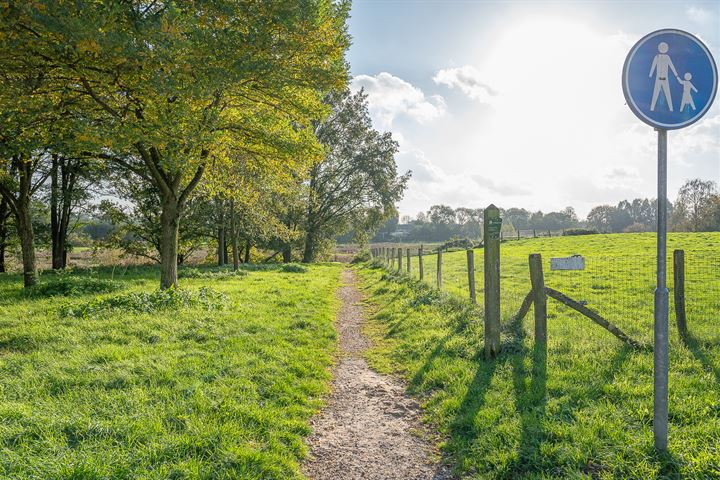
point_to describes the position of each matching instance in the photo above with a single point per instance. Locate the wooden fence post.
(420, 265)
(471, 274)
(392, 257)
(439, 269)
(399, 255)
(539, 297)
(679, 291)
(492, 225)
(407, 254)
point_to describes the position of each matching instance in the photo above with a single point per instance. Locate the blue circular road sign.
(669, 79)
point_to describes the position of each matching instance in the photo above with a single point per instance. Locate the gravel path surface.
(370, 429)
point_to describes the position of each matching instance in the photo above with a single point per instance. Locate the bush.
(170, 299)
(293, 268)
(579, 231)
(361, 257)
(637, 228)
(217, 273)
(66, 285)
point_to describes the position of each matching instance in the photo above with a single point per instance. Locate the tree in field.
(70, 178)
(695, 204)
(136, 217)
(518, 217)
(30, 108)
(356, 183)
(601, 218)
(168, 86)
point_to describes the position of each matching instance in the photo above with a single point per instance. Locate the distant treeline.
(697, 208)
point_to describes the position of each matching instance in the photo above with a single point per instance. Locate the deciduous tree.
(169, 86)
(356, 183)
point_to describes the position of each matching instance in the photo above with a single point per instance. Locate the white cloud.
(469, 80)
(698, 14)
(390, 96)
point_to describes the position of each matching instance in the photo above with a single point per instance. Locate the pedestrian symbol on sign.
(687, 93)
(660, 66)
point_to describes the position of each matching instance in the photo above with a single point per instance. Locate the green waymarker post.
(492, 224)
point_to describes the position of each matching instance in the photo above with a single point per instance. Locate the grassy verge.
(158, 392)
(583, 412)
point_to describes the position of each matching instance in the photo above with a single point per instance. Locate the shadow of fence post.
(679, 291)
(539, 298)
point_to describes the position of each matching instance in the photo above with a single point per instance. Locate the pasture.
(104, 380)
(586, 410)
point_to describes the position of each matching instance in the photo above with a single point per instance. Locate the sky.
(520, 103)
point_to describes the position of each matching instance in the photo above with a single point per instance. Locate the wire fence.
(619, 287)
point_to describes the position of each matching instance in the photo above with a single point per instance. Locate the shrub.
(293, 268)
(170, 299)
(66, 285)
(217, 273)
(361, 257)
(457, 243)
(579, 231)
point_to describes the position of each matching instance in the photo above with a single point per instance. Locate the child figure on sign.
(688, 88)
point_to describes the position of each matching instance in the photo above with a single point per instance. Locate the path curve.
(370, 429)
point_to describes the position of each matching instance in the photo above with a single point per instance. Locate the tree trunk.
(63, 177)
(170, 223)
(226, 245)
(234, 237)
(173, 198)
(309, 252)
(287, 254)
(4, 212)
(57, 254)
(220, 246)
(248, 246)
(23, 221)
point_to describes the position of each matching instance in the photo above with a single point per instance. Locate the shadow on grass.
(697, 348)
(529, 397)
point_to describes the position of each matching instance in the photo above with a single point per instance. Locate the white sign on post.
(576, 262)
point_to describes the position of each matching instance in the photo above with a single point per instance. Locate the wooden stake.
(471, 274)
(439, 269)
(679, 291)
(420, 260)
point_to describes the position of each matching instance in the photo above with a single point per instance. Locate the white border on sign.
(631, 100)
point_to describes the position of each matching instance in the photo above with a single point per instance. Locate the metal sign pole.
(660, 350)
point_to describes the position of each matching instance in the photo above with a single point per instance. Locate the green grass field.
(587, 411)
(619, 276)
(189, 393)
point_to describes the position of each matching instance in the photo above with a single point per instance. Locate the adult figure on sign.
(660, 65)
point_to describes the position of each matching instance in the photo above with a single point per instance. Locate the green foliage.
(293, 268)
(136, 303)
(215, 273)
(362, 256)
(67, 285)
(356, 183)
(186, 393)
(172, 91)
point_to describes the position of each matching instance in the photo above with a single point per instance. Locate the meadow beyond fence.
(617, 282)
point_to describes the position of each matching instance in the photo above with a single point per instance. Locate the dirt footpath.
(370, 428)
